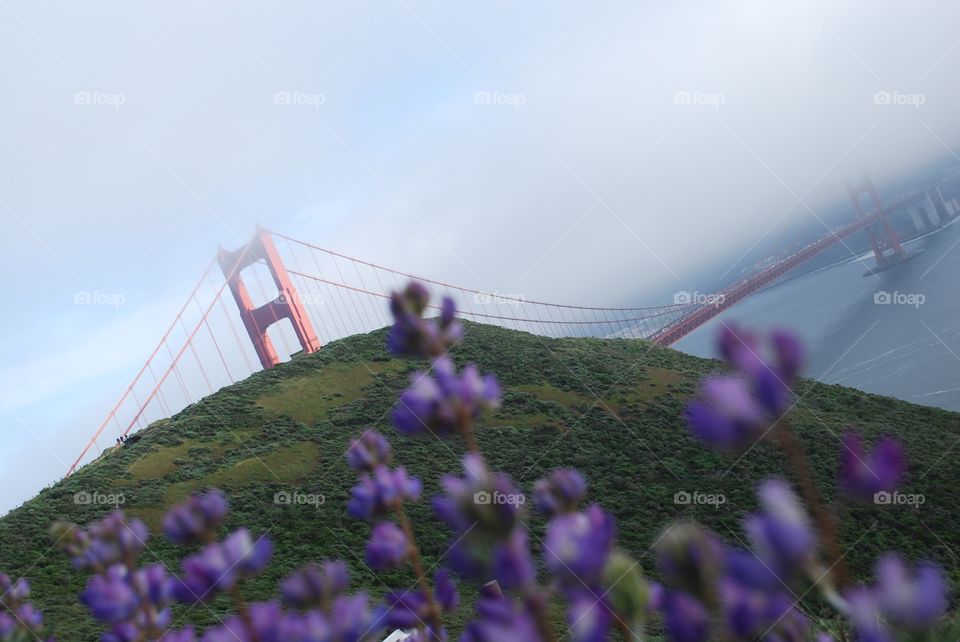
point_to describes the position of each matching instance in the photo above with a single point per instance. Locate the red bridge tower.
(287, 304)
(882, 236)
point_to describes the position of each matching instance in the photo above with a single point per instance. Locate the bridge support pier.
(287, 304)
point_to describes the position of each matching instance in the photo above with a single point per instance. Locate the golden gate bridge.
(290, 296)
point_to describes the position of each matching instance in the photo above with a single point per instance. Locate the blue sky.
(140, 136)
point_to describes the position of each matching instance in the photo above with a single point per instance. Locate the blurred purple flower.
(413, 335)
(315, 586)
(388, 546)
(376, 494)
(685, 618)
(441, 402)
(109, 596)
(219, 566)
(577, 546)
(500, 619)
(726, 416)
(197, 519)
(781, 535)
(481, 503)
(512, 563)
(863, 475)
(445, 591)
(561, 492)
(368, 452)
(588, 617)
(691, 559)
(915, 601)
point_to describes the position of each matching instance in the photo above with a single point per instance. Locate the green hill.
(612, 408)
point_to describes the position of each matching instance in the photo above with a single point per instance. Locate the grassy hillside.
(611, 408)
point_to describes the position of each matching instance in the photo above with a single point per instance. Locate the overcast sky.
(597, 152)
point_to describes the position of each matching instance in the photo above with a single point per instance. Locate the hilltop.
(612, 408)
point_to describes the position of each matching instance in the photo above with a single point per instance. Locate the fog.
(602, 153)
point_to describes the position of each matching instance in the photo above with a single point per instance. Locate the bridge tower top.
(287, 304)
(883, 238)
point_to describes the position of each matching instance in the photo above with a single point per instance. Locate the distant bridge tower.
(883, 238)
(287, 304)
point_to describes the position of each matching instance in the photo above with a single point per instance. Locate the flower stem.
(465, 428)
(826, 522)
(417, 564)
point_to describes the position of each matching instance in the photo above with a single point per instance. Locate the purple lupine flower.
(441, 402)
(197, 519)
(781, 536)
(865, 615)
(376, 494)
(187, 634)
(739, 347)
(315, 586)
(110, 596)
(501, 619)
(413, 335)
(445, 591)
(685, 618)
(369, 452)
(153, 584)
(388, 546)
(561, 492)
(916, 602)
(588, 617)
(691, 559)
(481, 503)
(219, 566)
(406, 609)
(353, 620)
(788, 353)
(13, 593)
(113, 539)
(756, 614)
(512, 564)
(726, 416)
(577, 546)
(863, 475)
